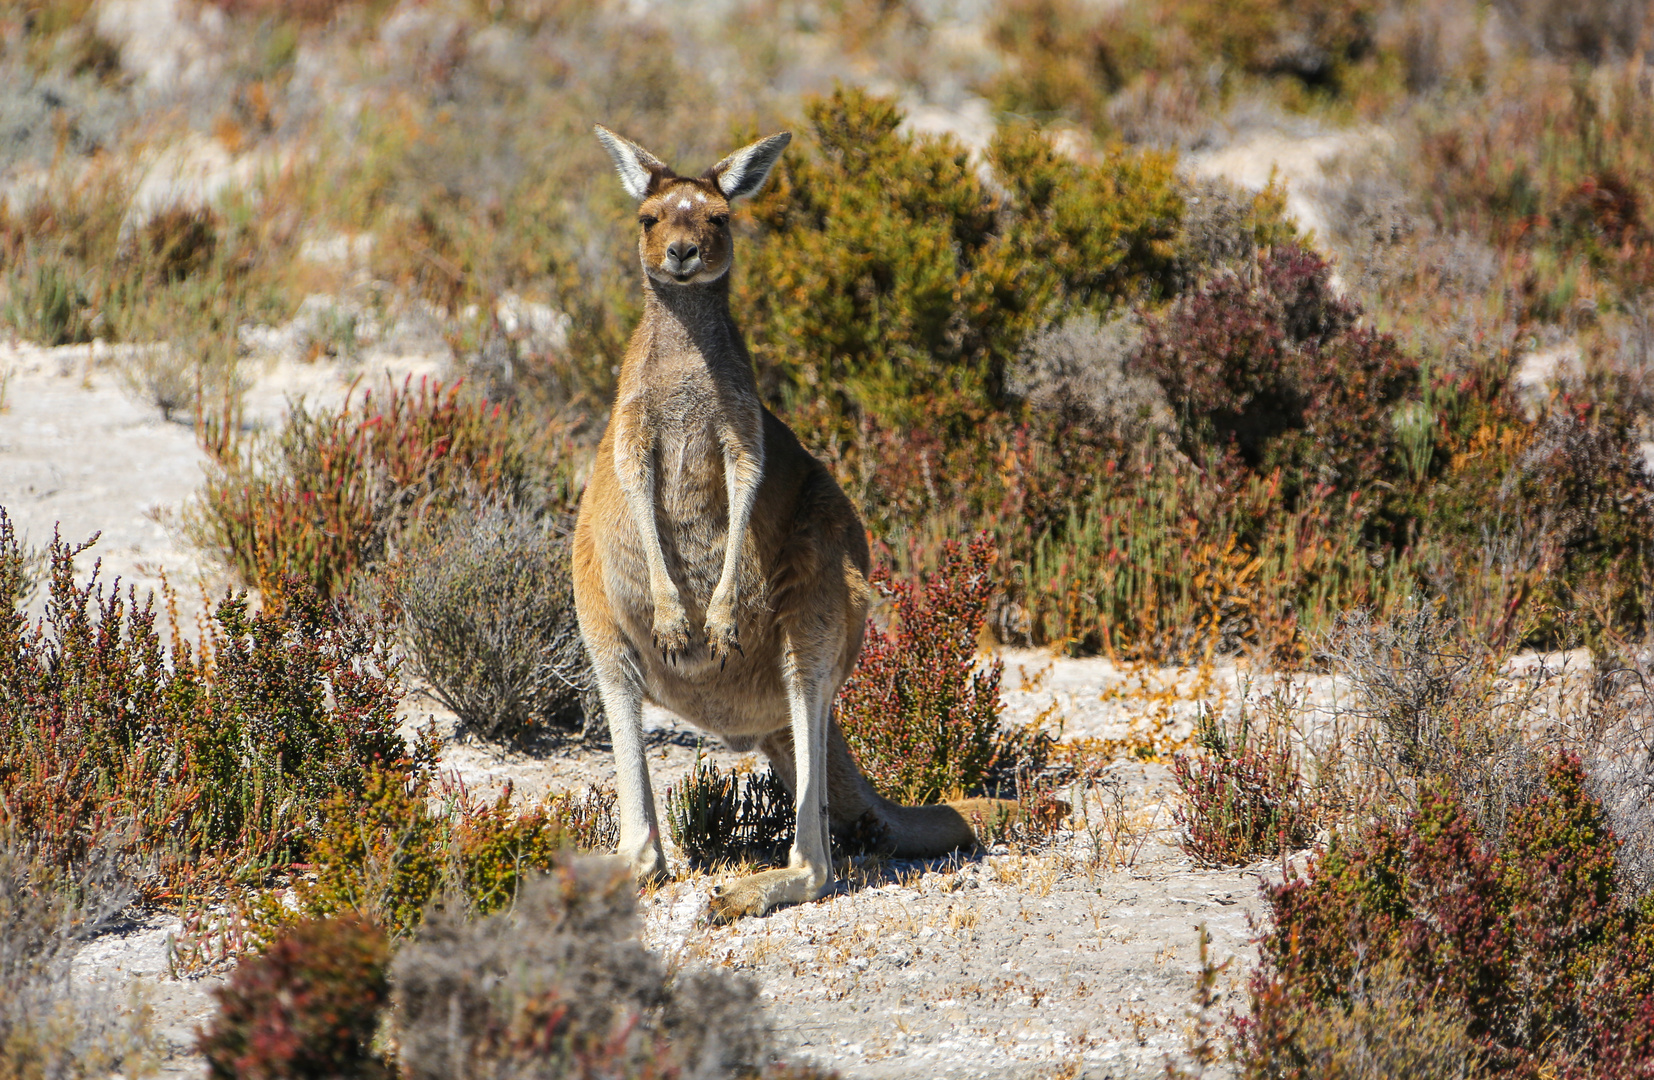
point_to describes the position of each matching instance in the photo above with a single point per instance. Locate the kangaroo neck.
(693, 319)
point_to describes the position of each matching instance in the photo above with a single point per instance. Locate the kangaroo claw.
(723, 638)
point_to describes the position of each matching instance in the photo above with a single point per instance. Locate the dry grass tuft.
(48, 1026)
(560, 985)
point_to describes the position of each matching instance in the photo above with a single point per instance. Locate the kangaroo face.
(683, 236)
(684, 221)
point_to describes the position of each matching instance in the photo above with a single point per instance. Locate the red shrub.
(1522, 936)
(1272, 363)
(325, 499)
(1242, 801)
(307, 1008)
(920, 711)
(212, 764)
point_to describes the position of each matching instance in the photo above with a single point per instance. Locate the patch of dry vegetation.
(48, 1025)
(487, 606)
(1184, 431)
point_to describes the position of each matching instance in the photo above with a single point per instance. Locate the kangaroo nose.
(681, 251)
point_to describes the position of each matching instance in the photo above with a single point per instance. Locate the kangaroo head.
(683, 235)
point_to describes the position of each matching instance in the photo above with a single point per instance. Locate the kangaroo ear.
(744, 172)
(639, 169)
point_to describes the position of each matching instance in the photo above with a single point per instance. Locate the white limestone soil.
(1067, 960)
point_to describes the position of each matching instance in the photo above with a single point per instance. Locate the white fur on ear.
(744, 172)
(637, 167)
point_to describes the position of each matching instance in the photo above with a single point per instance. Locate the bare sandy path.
(80, 454)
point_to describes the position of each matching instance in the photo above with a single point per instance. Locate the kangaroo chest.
(689, 463)
(691, 485)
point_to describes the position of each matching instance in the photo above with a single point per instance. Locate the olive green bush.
(405, 847)
(886, 275)
(714, 816)
(487, 605)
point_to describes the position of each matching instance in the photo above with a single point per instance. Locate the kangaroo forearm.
(635, 471)
(745, 474)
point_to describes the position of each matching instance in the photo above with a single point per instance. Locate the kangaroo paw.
(722, 638)
(671, 634)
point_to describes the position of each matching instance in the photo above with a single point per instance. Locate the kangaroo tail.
(854, 808)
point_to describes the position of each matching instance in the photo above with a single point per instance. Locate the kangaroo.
(719, 570)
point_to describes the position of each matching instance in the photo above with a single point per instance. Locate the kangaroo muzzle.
(682, 259)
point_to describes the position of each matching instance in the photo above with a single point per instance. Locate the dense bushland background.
(1184, 427)
(1083, 400)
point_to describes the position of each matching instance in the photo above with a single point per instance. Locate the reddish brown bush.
(921, 711)
(326, 497)
(1525, 938)
(1243, 798)
(1271, 364)
(307, 1008)
(212, 764)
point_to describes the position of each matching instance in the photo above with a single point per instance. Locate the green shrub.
(885, 274)
(714, 817)
(1320, 43)
(488, 613)
(401, 847)
(211, 765)
(1081, 61)
(1066, 60)
(307, 1008)
(329, 496)
(51, 309)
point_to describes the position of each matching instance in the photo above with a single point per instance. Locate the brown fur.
(751, 615)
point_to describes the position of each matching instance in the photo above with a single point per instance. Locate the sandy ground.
(81, 453)
(1074, 959)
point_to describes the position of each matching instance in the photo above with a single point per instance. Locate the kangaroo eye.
(647, 221)
(720, 220)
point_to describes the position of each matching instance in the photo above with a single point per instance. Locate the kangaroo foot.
(758, 893)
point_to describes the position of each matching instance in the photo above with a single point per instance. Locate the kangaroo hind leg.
(619, 686)
(809, 868)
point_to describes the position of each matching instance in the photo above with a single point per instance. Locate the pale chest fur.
(691, 490)
(679, 393)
